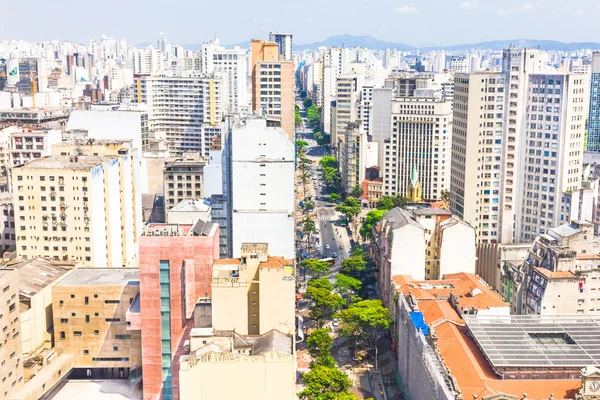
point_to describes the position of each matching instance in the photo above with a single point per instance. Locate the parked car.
(334, 255)
(327, 247)
(341, 247)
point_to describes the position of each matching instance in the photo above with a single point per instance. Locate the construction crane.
(32, 83)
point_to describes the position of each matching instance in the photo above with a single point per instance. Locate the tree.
(357, 191)
(350, 207)
(347, 286)
(445, 195)
(389, 202)
(328, 161)
(325, 303)
(326, 383)
(370, 220)
(301, 144)
(319, 345)
(309, 226)
(308, 205)
(307, 103)
(354, 266)
(315, 267)
(320, 283)
(297, 117)
(334, 197)
(331, 176)
(370, 316)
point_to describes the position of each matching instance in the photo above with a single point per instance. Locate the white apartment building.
(80, 206)
(179, 108)
(344, 110)
(284, 41)
(477, 150)
(7, 221)
(148, 61)
(552, 149)
(233, 63)
(262, 187)
(30, 143)
(420, 137)
(365, 107)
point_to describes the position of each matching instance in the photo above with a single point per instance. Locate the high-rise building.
(262, 187)
(171, 283)
(29, 143)
(185, 111)
(183, 180)
(234, 64)
(593, 135)
(79, 207)
(353, 157)
(344, 109)
(284, 42)
(90, 309)
(420, 137)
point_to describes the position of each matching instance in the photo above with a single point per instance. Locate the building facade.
(593, 135)
(183, 180)
(10, 352)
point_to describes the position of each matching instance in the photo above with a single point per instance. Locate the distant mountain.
(503, 44)
(368, 42)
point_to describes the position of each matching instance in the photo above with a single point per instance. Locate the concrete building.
(252, 314)
(233, 63)
(171, 283)
(398, 248)
(344, 110)
(492, 258)
(273, 85)
(89, 308)
(31, 143)
(353, 156)
(123, 122)
(284, 43)
(421, 138)
(381, 117)
(183, 179)
(185, 111)
(37, 277)
(189, 212)
(79, 207)
(454, 248)
(262, 187)
(429, 218)
(10, 352)
(7, 222)
(593, 131)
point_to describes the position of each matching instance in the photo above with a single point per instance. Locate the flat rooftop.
(102, 277)
(526, 341)
(70, 162)
(35, 274)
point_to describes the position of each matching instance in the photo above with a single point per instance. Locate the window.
(76, 333)
(64, 320)
(115, 348)
(111, 301)
(87, 318)
(62, 335)
(122, 337)
(113, 319)
(96, 332)
(86, 352)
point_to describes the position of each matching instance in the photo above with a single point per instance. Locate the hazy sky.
(414, 22)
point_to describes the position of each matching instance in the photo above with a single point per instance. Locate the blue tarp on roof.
(417, 319)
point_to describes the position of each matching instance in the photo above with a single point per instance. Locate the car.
(327, 247)
(334, 255)
(335, 322)
(341, 247)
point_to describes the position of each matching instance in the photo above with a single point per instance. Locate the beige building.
(11, 367)
(36, 279)
(244, 332)
(79, 206)
(353, 156)
(261, 284)
(90, 308)
(344, 110)
(273, 84)
(183, 179)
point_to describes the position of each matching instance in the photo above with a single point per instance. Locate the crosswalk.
(327, 217)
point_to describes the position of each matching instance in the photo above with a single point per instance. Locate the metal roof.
(567, 341)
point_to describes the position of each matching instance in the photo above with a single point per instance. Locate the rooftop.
(398, 218)
(67, 162)
(192, 205)
(431, 211)
(102, 277)
(556, 274)
(35, 274)
(276, 262)
(526, 341)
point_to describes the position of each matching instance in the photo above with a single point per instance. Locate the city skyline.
(403, 21)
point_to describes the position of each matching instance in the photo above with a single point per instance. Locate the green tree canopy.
(307, 103)
(347, 286)
(370, 220)
(354, 266)
(316, 268)
(297, 117)
(301, 143)
(357, 191)
(350, 207)
(325, 383)
(325, 303)
(370, 316)
(320, 283)
(309, 226)
(334, 197)
(389, 202)
(319, 344)
(328, 161)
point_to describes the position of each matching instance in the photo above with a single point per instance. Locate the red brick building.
(175, 270)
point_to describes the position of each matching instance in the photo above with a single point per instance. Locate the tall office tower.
(10, 352)
(233, 63)
(344, 109)
(148, 61)
(175, 271)
(459, 64)
(284, 42)
(273, 85)
(593, 136)
(182, 110)
(365, 106)
(380, 119)
(477, 153)
(82, 205)
(552, 145)
(261, 198)
(421, 139)
(353, 156)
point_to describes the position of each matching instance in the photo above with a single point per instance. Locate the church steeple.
(414, 190)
